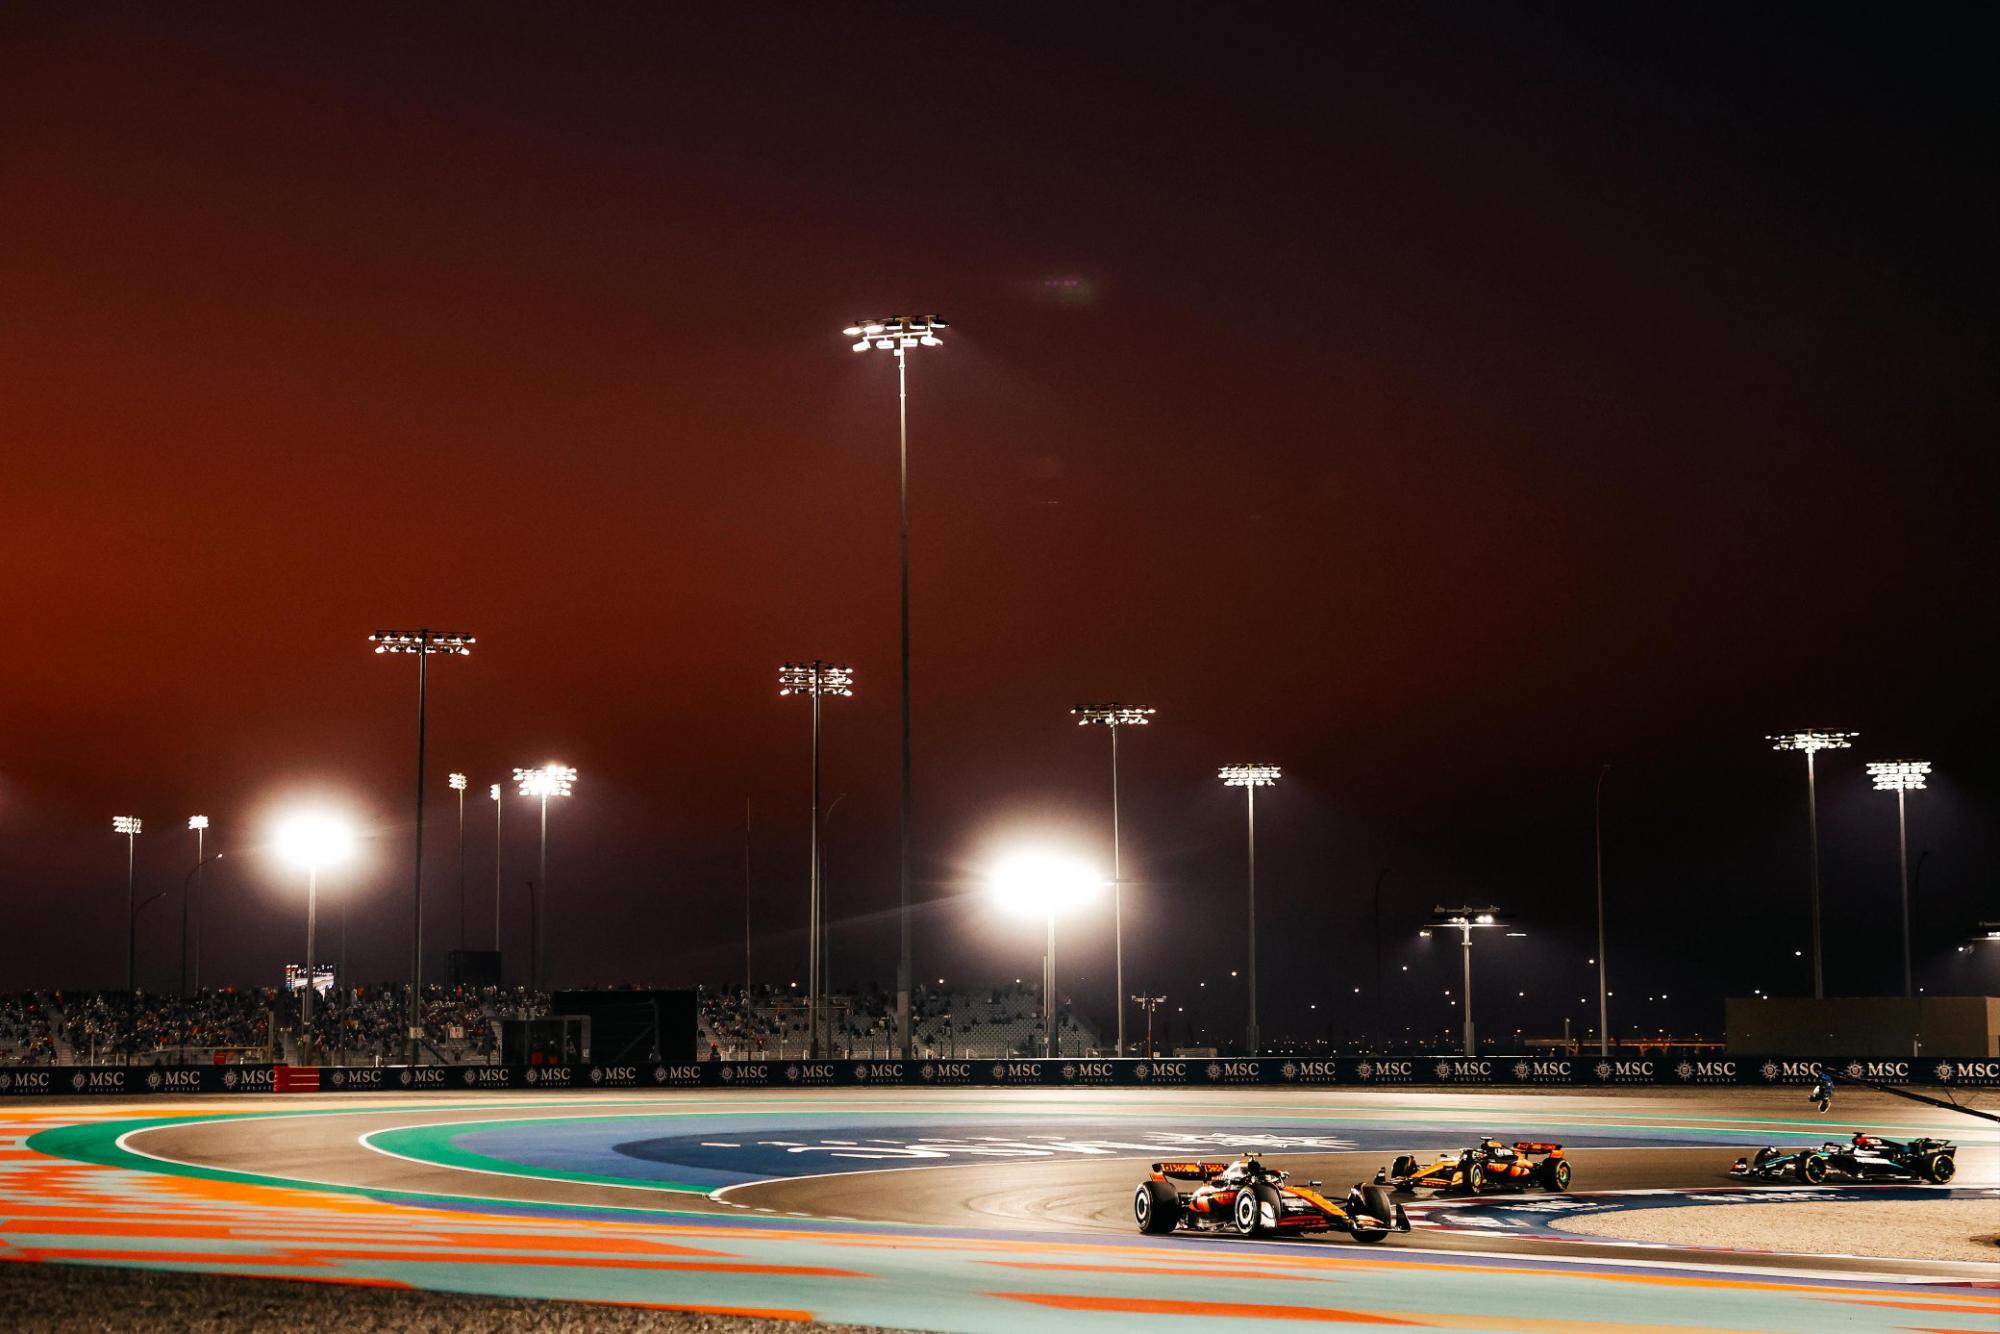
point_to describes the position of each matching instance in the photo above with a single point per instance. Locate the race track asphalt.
(948, 1192)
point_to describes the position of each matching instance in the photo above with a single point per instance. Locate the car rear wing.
(1535, 1146)
(1188, 1171)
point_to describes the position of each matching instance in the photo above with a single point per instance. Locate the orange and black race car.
(1251, 1200)
(1489, 1165)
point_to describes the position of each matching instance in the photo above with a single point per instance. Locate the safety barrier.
(1352, 1072)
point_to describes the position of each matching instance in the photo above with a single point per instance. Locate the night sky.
(1440, 403)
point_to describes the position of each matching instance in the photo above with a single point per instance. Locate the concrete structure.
(1863, 1026)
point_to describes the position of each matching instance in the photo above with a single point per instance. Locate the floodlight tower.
(128, 825)
(815, 679)
(423, 644)
(1810, 743)
(457, 784)
(1250, 777)
(493, 793)
(1111, 717)
(1465, 921)
(551, 780)
(1042, 886)
(1900, 776)
(199, 824)
(899, 334)
(312, 841)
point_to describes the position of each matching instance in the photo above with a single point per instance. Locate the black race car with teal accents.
(1862, 1158)
(1491, 1164)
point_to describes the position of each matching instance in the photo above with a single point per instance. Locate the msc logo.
(1325, 1072)
(424, 1076)
(620, 1076)
(174, 1079)
(815, 1073)
(677, 1074)
(1788, 1072)
(1385, 1071)
(25, 1081)
(1222, 1072)
(1006, 1070)
(748, 1073)
(1613, 1072)
(98, 1081)
(1706, 1072)
(1878, 1069)
(1968, 1072)
(1465, 1069)
(948, 1072)
(367, 1078)
(1087, 1070)
(1162, 1072)
(1533, 1072)
(487, 1075)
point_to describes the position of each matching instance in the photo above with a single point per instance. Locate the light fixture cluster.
(1899, 775)
(550, 780)
(421, 641)
(1463, 918)
(897, 332)
(815, 678)
(197, 822)
(457, 782)
(1811, 740)
(1248, 775)
(1112, 715)
(125, 824)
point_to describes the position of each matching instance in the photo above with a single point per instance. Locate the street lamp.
(312, 841)
(1900, 776)
(1149, 1004)
(898, 334)
(494, 793)
(1039, 885)
(1811, 742)
(815, 679)
(424, 644)
(128, 825)
(551, 780)
(1465, 921)
(1111, 717)
(457, 784)
(1250, 777)
(199, 824)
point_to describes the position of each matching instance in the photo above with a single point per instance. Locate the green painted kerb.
(436, 1144)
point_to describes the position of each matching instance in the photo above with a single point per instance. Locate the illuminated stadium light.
(1809, 742)
(310, 842)
(815, 680)
(493, 792)
(198, 825)
(493, 795)
(129, 825)
(424, 644)
(548, 780)
(1465, 921)
(197, 822)
(1044, 885)
(456, 782)
(898, 334)
(1111, 717)
(1899, 777)
(1250, 777)
(125, 824)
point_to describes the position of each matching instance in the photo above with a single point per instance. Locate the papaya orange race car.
(1489, 1165)
(1251, 1200)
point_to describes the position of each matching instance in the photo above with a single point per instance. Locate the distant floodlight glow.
(197, 822)
(457, 782)
(1043, 885)
(551, 780)
(1248, 775)
(125, 824)
(896, 333)
(493, 792)
(1112, 715)
(1810, 740)
(1899, 775)
(313, 841)
(815, 678)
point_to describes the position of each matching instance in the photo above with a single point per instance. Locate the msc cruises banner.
(1356, 1072)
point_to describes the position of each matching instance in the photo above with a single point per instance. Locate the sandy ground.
(1904, 1229)
(82, 1297)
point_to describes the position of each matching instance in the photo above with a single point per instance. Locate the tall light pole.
(1465, 921)
(423, 643)
(1039, 885)
(1603, 975)
(1810, 743)
(493, 793)
(550, 780)
(899, 334)
(1900, 776)
(815, 679)
(1149, 1004)
(1111, 717)
(128, 825)
(199, 824)
(1250, 777)
(457, 784)
(310, 842)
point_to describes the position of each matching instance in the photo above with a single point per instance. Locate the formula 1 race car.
(1863, 1158)
(1487, 1165)
(1251, 1200)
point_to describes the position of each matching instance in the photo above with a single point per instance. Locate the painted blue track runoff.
(719, 1151)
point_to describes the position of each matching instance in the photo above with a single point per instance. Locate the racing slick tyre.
(1938, 1167)
(1249, 1210)
(1553, 1174)
(1472, 1174)
(1400, 1171)
(1370, 1221)
(1156, 1207)
(1811, 1169)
